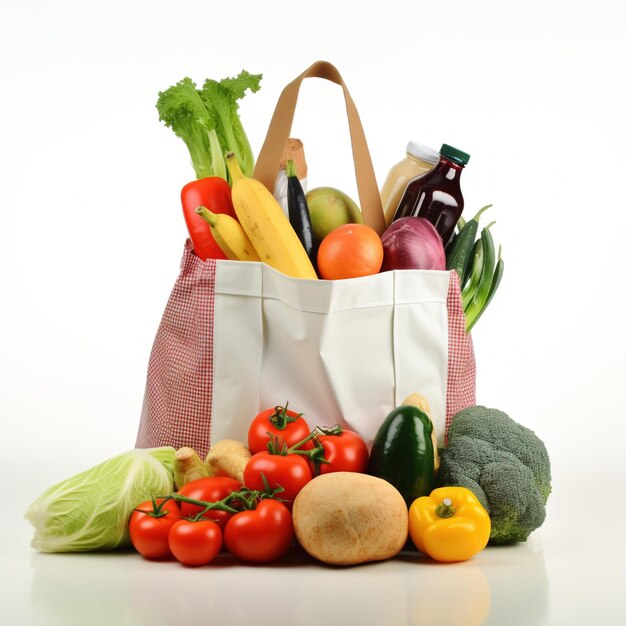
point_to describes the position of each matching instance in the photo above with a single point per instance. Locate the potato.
(345, 518)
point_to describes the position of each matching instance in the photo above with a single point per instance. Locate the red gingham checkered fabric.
(461, 391)
(177, 402)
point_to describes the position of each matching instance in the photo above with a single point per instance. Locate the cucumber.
(403, 452)
(455, 236)
(459, 253)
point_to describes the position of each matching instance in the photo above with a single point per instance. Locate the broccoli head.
(506, 466)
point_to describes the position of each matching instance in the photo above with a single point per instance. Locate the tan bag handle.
(280, 128)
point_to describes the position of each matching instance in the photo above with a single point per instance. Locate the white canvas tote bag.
(238, 337)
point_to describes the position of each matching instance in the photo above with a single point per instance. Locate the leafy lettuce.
(207, 120)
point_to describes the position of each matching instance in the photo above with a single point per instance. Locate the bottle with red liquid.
(437, 195)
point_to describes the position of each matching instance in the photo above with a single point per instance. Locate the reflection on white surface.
(449, 594)
(501, 585)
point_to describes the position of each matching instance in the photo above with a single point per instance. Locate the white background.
(91, 231)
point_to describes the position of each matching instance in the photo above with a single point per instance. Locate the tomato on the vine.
(280, 422)
(211, 489)
(345, 452)
(261, 535)
(149, 529)
(195, 543)
(290, 471)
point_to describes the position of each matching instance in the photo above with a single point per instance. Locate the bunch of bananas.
(263, 232)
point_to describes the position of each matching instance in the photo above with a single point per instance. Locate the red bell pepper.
(214, 194)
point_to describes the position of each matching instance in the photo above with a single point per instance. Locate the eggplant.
(299, 215)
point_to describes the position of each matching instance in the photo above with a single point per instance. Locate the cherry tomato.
(211, 489)
(149, 534)
(280, 421)
(346, 452)
(291, 472)
(195, 543)
(262, 535)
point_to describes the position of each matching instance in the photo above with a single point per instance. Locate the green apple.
(330, 208)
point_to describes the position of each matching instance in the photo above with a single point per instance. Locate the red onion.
(413, 243)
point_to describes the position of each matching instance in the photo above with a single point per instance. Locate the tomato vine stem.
(247, 498)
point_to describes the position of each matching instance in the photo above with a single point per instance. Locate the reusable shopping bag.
(238, 337)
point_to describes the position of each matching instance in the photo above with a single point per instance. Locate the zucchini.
(403, 452)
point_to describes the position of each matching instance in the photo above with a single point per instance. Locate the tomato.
(149, 534)
(291, 472)
(210, 489)
(262, 535)
(195, 543)
(346, 452)
(281, 422)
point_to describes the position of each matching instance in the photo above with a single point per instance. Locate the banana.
(268, 228)
(229, 235)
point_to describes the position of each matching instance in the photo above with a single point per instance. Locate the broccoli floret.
(506, 466)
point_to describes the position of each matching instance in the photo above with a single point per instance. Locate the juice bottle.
(437, 195)
(419, 159)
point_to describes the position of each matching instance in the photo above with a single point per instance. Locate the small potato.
(345, 518)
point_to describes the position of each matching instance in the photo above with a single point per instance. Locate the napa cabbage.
(90, 511)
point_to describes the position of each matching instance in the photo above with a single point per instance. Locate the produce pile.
(320, 488)
(315, 234)
(323, 488)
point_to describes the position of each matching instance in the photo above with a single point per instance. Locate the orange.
(350, 251)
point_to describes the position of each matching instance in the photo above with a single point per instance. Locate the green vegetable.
(477, 303)
(474, 260)
(90, 511)
(183, 110)
(207, 120)
(403, 452)
(506, 466)
(472, 279)
(458, 253)
(497, 277)
(486, 274)
(457, 229)
(222, 97)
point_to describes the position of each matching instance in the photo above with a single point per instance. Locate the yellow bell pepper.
(449, 525)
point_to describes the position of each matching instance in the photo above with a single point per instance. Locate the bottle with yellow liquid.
(418, 161)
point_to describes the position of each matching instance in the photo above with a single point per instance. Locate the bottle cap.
(422, 152)
(458, 156)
